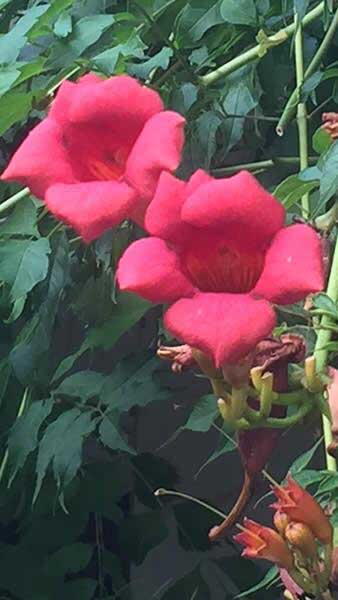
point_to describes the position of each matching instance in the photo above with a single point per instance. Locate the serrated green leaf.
(203, 414)
(85, 33)
(302, 461)
(226, 444)
(83, 385)
(8, 75)
(55, 8)
(107, 60)
(23, 264)
(23, 436)
(184, 98)
(239, 12)
(12, 42)
(63, 25)
(323, 302)
(111, 437)
(291, 190)
(158, 61)
(196, 18)
(207, 125)
(239, 100)
(126, 313)
(71, 427)
(22, 221)
(14, 107)
(34, 338)
(135, 387)
(329, 178)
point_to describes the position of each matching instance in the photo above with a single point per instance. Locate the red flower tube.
(97, 156)
(301, 507)
(264, 542)
(221, 256)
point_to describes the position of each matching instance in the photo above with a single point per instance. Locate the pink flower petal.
(91, 208)
(293, 266)
(163, 217)
(197, 179)
(225, 326)
(119, 103)
(41, 159)
(157, 149)
(151, 270)
(239, 206)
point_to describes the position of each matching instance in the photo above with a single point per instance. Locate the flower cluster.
(302, 544)
(219, 253)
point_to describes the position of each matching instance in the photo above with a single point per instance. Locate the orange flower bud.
(263, 542)
(281, 521)
(301, 537)
(301, 507)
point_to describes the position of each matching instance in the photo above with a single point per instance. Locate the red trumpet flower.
(264, 542)
(221, 257)
(97, 156)
(301, 507)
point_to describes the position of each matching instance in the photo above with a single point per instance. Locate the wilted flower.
(221, 257)
(96, 158)
(264, 542)
(301, 507)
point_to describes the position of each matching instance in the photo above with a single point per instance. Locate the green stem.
(290, 107)
(261, 164)
(164, 492)
(12, 200)
(301, 112)
(253, 53)
(321, 351)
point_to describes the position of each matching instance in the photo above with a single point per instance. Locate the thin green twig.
(301, 113)
(255, 52)
(291, 105)
(321, 351)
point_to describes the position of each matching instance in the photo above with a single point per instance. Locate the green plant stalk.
(164, 492)
(12, 200)
(321, 352)
(301, 113)
(262, 164)
(290, 107)
(253, 53)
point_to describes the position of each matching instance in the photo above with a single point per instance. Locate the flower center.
(104, 171)
(214, 266)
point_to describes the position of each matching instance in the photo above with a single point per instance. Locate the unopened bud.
(301, 537)
(281, 521)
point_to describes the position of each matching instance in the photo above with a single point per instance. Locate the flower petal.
(151, 270)
(41, 159)
(239, 206)
(293, 266)
(91, 208)
(121, 103)
(225, 326)
(158, 148)
(163, 217)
